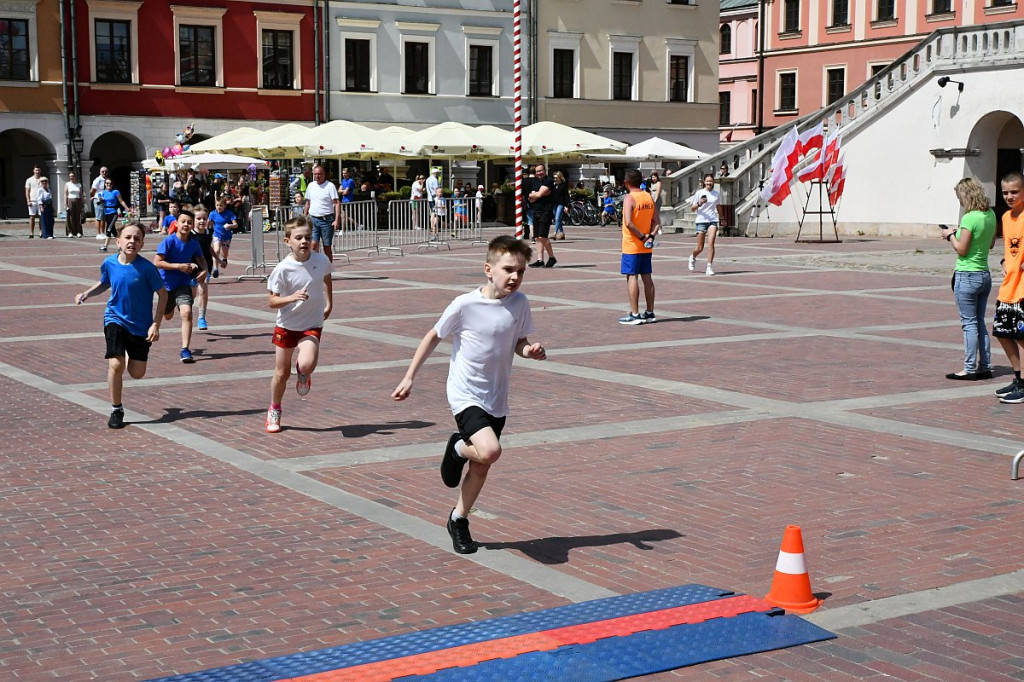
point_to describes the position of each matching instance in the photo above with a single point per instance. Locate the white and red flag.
(777, 188)
(836, 180)
(811, 139)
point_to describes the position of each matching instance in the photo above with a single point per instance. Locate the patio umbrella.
(208, 161)
(555, 140)
(656, 149)
(225, 141)
(457, 139)
(348, 140)
(283, 142)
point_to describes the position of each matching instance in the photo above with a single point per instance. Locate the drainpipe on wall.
(760, 66)
(64, 84)
(327, 60)
(532, 114)
(316, 61)
(74, 69)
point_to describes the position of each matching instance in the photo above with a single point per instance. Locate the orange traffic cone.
(791, 587)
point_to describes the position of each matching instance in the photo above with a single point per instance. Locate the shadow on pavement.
(174, 414)
(363, 430)
(555, 550)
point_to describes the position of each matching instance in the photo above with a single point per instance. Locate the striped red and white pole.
(518, 116)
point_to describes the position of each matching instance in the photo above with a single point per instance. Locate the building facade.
(738, 70)
(629, 69)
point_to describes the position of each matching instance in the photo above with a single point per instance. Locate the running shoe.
(692, 263)
(116, 420)
(1009, 388)
(186, 356)
(451, 463)
(303, 382)
(631, 319)
(462, 541)
(648, 316)
(708, 270)
(273, 420)
(201, 324)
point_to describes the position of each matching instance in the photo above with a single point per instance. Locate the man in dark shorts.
(542, 204)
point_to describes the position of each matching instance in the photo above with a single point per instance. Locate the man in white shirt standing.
(432, 184)
(32, 186)
(98, 185)
(324, 210)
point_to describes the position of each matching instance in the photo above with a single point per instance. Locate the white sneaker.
(273, 420)
(708, 270)
(693, 263)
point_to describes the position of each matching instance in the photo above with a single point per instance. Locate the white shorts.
(33, 208)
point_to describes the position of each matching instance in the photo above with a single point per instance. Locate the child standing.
(608, 213)
(303, 295)
(129, 322)
(224, 223)
(180, 261)
(440, 211)
(201, 293)
(489, 325)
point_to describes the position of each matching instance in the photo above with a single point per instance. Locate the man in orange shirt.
(640, 222)
(1008, 325)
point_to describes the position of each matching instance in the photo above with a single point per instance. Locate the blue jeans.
(559, 210)
(323, 229)
(46, 221)
(971, 290)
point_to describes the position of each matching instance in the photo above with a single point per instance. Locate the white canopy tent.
(225, 142)
(557, 141)
(209, 161)
(655, 149)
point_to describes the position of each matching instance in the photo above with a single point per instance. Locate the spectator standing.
(32, 186)
(1008, 326)
(45, 200)
(639, 223)
(98, 185)
(74, 206)
(542, 202)
(561, 200)
(323, 207)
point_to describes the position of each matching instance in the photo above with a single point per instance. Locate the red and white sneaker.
(273, 421)
(303, 382)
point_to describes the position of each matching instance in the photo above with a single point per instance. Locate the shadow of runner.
(174, 414)
(555, 550)
(363, 430)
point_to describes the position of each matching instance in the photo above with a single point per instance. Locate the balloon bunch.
(179, 147)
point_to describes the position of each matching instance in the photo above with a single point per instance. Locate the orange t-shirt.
(1012, 288)
(643, 215)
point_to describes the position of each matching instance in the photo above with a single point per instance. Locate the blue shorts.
(704, 227)
(222, 235)
(323, 229)
(636, 264)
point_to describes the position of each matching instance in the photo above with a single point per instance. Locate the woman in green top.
(972, 281)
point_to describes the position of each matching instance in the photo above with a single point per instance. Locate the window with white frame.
(786, 91)
(564, 65)
(359, 54)
(886, 10)
(114, 41)
(679, 57)
(725, 39)
(482, 60)
(280, 40)
(791, 16)
(16, 50)
(835, 84)
(624, 59)
(417, 59)
(198, 52)
(840, 10)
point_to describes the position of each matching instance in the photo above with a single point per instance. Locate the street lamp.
(77, 146)
(945, 80)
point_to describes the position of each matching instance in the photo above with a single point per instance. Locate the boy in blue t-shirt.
(608, 214)
(224, 223)
(111, 200)
(170, 221)
(180, 261)
(129, 323)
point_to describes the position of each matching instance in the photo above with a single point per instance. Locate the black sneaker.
(451, 464)
(116, 420)
(1007, 389)
(551, 262)
(648, 316)
(462, 541)
(537, 264)
(1014, 397)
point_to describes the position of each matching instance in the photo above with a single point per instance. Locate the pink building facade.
(816, 51)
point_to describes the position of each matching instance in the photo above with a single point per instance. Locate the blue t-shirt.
(111, 199)
(131, 293)
(348, 190)
(168, 219)
(609, 205)
(219, 220)
(176, 251)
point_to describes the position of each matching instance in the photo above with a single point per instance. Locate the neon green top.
(982, 226)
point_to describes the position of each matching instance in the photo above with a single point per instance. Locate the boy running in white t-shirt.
(488, 325)
(301, 292)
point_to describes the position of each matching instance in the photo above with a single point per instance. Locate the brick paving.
(802, 384)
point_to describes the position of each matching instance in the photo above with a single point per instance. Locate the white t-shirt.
(485, 333)
(417, 189)
(321, 198)
(290, 276)
(32, 185)
(708, 213)
(98, 185)
(74, 190)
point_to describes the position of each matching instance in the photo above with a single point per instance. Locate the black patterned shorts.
(1009, 321)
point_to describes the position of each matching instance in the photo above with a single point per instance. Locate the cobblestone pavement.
(803, 384)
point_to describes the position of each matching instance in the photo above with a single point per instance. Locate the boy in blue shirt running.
(180, 261)
(224, 223)
(129, 322)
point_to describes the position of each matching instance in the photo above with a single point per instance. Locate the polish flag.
(830, 152)
(837, 180)
(777, 188)
(811, 139)
(813, 171)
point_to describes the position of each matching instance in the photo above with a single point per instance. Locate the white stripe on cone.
(790, 563)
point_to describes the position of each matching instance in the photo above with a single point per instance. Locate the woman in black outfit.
(561, 204)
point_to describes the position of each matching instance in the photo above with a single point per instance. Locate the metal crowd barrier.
(263, 232)
(431, 226)
(357, 228)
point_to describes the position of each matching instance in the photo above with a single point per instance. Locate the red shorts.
(288, 338)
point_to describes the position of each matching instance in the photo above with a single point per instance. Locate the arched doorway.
(20, 150)
(121, 153)
(999, 135)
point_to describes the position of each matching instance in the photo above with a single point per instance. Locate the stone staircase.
(949, 51)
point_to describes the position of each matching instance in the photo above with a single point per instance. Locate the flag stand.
(821, 221)
(755, 214)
